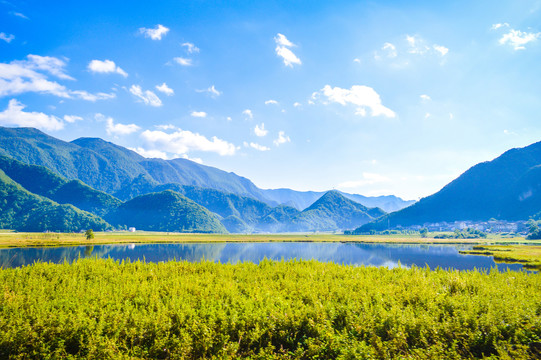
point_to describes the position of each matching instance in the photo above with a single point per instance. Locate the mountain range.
(506, 188)
(113, 169)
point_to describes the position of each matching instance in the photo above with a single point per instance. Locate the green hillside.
(42, 181)
(165, 211)
(22, 210)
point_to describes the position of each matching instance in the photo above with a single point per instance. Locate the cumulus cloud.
(211, 90)
(283, 50)
(297, 104)
(260, 130)
(14, 115)
(105, 67)
(156, 33)
(256, 146)
(165, 89)
(6, 37)
(190, 48)
(147, 96)
(116, 129)
(410, 46)
(248, 113)
(184, 141)
(32, 75)
(425, 97)
(199, 114)
(281, 139)
(151, 154)
(72, 118)
(515, 38)
(367, 179)
(183, 61)
(271, 102)
(363, 97)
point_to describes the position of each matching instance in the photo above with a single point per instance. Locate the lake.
(388, 255)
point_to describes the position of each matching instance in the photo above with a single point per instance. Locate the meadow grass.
(289, 310)
(529, 256)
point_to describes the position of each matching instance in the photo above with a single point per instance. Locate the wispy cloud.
(190, 48)
(7, 37)
(248, 113)
(14, 115)
(156, 33)
(147, 96)
(105, 67)
(271, 102)
(283, 50)
(260, 130)
(363, 97)
(165, 89)
(183, 61)
(20, 15)
(72, 118)
(184, 141)
(212, 91)
(116, 129)
(281, 139)
(256, 146)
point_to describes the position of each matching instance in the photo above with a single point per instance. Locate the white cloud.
(147, 96)
(425, 97)
(184, 141)
(21, 76)
(282, 50)
(357, 60)
(248, 113)
(497, 26)
(165, 89)
(116, 129)
(190, 48)
(229, 118)
(81, 94)
(199, 114)
(281, 139)
(518, 39)
(367, 179)
(105, 67)
(72, 118)
(183, 61)
(211, 90)
(297, 104)
(6, 37)
(151, 154)
(18, 14)
(256, 146)
(359, 95)
(271, 102)
(389, 49)
(166, 127)
(441, 49)
(14, 115)
(260, 131)
(155, 34)
(427, 115)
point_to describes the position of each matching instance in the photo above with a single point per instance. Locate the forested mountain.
(507, 188)
(166, 211)
(333, 211)
(113, 169)
(24, 211)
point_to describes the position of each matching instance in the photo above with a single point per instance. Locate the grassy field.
(13, 239)
(103, 309)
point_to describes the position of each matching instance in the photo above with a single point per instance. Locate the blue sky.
(375, 98)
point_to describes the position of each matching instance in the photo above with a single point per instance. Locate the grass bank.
(287, 310)
(528, 256)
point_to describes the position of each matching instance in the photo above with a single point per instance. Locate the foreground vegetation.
(291, 310)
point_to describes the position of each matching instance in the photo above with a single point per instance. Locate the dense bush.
(291, 310)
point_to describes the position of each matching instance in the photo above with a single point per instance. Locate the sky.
(369, 97)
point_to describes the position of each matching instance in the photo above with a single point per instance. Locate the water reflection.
(388, 255)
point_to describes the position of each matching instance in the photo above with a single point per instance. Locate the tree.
(423, 232)
(89, 234)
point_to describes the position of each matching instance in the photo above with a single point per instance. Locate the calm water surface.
(389, 255)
